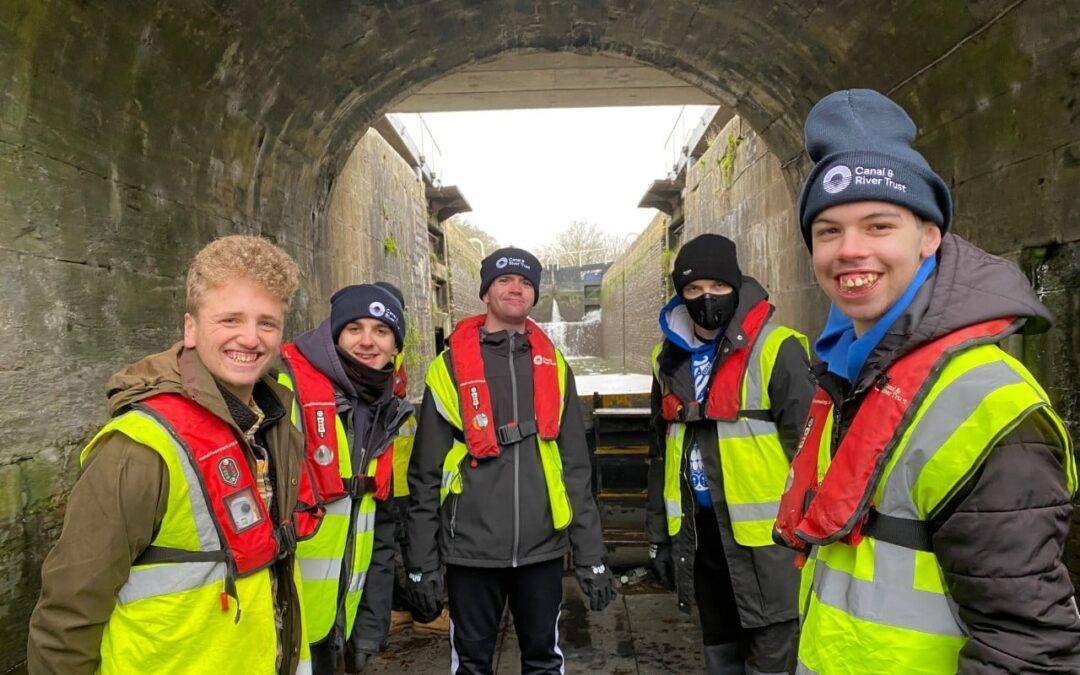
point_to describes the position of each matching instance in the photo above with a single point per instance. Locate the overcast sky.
(529, 173)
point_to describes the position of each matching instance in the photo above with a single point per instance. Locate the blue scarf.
(844, 353)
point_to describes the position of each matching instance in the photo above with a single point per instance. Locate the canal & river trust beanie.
(510, 261)
(860, 143)
(361, 301)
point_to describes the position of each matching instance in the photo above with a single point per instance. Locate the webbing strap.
(162, 554)
(914, 534)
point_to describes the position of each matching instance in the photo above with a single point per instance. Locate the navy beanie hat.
(510, 261)
(394, 291)
(860, 143)
(366, 301)
(707, 256)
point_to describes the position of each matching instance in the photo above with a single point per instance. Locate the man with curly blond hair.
(177, 549)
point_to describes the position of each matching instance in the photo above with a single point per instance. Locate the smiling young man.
(176, 552)
(500, 480)
(932, 488)
(349, 408)
(730, 392)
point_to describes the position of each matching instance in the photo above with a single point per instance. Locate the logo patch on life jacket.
(894, 392)
(540, 360)
(323, 455)
(229, 471)
(480, 421)
(475, 398)
(807, 428)
(320, 423)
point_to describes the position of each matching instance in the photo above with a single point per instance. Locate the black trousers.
(477, 598)
(765, 649)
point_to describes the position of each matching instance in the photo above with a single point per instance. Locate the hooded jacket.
(502, 518)
(370, 429)
(118, 503)
(999, 539)
(764, 579)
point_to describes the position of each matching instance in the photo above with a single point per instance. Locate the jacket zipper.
(517, 497)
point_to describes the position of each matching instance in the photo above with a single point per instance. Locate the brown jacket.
(118, 504)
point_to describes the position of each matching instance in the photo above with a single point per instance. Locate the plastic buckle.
(286, 538)
(509, 433)
(692, 412)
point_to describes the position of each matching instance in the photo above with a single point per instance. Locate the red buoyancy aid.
(318, 409)
(477, 415)
(838, 505)
(248, 533)
(401, 381)
(725, 390)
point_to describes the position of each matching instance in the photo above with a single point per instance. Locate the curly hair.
(240, 255)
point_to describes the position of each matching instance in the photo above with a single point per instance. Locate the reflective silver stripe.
(151, 581)
(744, 512)
(340, 507)
(204, 521)
(673, 508)
(948, 412)
(365, 522)
(803, 669)
(890, 599)
(754, 393)
(319, 569)
(442, 409)
(356, 582)
(447, 477)
(304, 667)
(745, 427)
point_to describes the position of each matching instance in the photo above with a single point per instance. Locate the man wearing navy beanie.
(931, 496)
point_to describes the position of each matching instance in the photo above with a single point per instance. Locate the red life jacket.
(475, 398)
(401, 381)
(318, 411)
(839, 504)
(249, 539)
(725, 390)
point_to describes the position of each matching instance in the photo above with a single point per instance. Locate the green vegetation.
(727, 160)
(390, 246)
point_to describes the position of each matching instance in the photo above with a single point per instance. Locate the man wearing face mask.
(731, 389)
(349, 406)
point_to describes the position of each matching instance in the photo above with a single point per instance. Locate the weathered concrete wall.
(377, 231)
(132, 133)
(630, 298)
(737, 189)
(567, 285)
(464, 274)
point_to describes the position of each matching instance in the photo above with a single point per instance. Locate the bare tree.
(582, 243)
(477, 237)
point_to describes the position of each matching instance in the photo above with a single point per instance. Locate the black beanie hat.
(394, 291)
(366, 301)
(707, 256)
(510, 261)
(860, 143)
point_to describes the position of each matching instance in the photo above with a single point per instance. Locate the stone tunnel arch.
(130, 134)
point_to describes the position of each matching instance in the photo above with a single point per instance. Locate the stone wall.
(631, 295)
(464, 274)
(378, 232)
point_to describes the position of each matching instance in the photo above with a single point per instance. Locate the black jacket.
(764, 579)
(502, 518)
(370, 428)
(999, 540)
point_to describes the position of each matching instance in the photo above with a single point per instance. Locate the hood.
(972, 286)
(678, 328)
(154, 374)
(319, 347)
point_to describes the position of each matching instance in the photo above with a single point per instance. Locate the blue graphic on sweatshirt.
(701, 366)
(699, 481)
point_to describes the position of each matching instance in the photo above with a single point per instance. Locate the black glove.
(663, 564)
(425, 592)
(596, 583)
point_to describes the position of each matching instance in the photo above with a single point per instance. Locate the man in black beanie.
(932, 496)
(500, 480)
(730, 392)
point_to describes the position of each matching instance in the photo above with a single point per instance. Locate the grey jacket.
(370, 428)
(502, 518)
(1000, 538)
(764, 579)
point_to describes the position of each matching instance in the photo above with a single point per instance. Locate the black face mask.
(712, 311)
